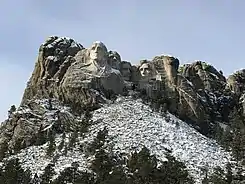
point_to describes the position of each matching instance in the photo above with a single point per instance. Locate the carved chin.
(145, 75)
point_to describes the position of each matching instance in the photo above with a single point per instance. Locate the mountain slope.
(131, 125)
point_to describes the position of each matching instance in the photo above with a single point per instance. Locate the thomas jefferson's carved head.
(146, 69)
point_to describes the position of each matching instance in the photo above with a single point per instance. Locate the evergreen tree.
(17, 145)
(227, 138)
(36, 179)
(218, 176)
(237, 145)
(51, 145)
(218, 133)
(65, 150)
(14, 174)
(229, 175)
(62, 143)
(72, 175)
(73, 138)
(3, 150)
(102, 165)
(41, 137)
(143, 167)
(86, 122)
(238, 137)
(48, 174)
(98, 142)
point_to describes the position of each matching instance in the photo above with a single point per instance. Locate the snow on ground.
(36, 159)
(132, 125)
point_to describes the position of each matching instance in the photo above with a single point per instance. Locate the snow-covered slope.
(131, 125)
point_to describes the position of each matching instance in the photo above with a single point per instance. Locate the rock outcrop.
(67, 71)
(236, 82)
(55, 56)
(204, 76)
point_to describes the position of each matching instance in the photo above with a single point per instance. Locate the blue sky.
(208, 30)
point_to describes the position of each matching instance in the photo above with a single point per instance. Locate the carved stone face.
(145, 70)
(98, 51)
(114, 60)
(126, 70)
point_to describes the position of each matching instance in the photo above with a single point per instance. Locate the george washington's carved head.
(98, 53)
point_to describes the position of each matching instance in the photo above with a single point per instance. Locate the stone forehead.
(99, 44)
(144, 61)
(114, 54)
(145, 65)
(124, 64)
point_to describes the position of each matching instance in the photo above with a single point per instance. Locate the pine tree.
(86, 122)
(218, 176)
(73, 139)
(41, 137)
(14, 174)
(143, 167)
(36, 179)
(205, 173)
(218, 133)
(237, 146)
(227, 138)
(101, 165)
(65, 150)
(238, 137)
(48, 174)
(3, 150)
(62, 143)
(98, 142)
(229, 175)
(51, 146)
(72, 175)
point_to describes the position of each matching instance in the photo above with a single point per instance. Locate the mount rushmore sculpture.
(83, 78)
(67, 71)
